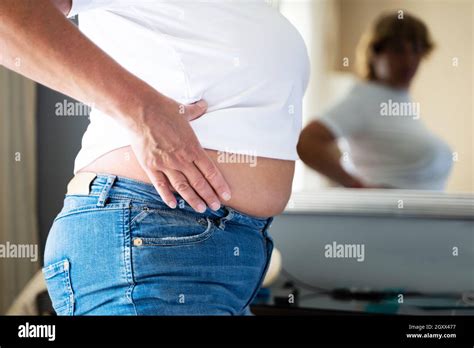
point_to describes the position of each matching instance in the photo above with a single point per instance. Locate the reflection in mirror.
(389, 103)
(387, 159)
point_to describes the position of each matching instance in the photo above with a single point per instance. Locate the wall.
(59, 140)
(413, 254)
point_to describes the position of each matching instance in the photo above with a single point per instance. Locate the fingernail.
(201, 104)
(226, 196)
(201, 208)
(215, 206)
(172, 205)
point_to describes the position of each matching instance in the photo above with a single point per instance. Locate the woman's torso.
(243, 57)
(260, 186)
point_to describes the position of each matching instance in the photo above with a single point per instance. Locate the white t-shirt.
(243, 57)
(388, 141)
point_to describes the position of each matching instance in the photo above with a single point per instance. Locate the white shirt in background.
(388, 141)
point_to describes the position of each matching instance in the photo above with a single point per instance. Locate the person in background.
(389, 144)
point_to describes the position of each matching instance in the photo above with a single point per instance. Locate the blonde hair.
(388, 29)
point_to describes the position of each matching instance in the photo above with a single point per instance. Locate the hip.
(120, 250)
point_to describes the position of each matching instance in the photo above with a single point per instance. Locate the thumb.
(196, 110)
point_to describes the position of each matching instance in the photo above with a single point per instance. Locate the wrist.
(133, 108)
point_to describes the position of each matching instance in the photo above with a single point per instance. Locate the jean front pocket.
(58, 282)
(166, 227)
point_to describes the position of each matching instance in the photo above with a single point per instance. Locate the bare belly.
(260, 186)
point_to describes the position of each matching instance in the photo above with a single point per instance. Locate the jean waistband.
(110, 185)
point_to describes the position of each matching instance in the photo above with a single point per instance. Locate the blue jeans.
(120, 250)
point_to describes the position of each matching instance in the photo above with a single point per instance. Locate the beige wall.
(444, 92)
(316, 21)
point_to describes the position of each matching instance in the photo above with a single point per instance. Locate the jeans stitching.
(159, 202)
(173, 212)
(105, 190)
(180, 241)
(66, 286)
(127, 255)
(117, 206)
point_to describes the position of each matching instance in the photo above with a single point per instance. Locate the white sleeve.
(87, 5)
(346, 118)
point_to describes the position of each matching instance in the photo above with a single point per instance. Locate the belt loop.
(104, 194)
(223, 220)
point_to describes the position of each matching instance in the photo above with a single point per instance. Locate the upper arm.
(315, 136)
(317, 130)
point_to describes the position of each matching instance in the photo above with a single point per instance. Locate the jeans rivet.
(137, 241)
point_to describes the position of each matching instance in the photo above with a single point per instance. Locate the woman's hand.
(63, 59)
(170, 154)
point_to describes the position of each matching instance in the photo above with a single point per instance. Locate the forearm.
(37, 41)
(52, 51)
(317, 147)
(327, 161)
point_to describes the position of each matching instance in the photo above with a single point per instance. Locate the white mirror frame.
(375, 202)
